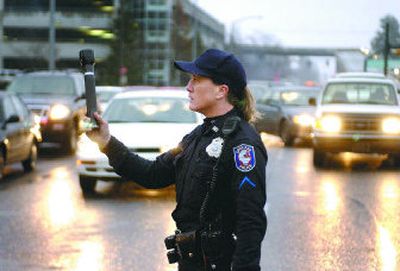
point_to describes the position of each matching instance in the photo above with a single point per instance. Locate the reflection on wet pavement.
(344, 217)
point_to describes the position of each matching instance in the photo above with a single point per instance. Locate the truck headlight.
(303, 120)
(329, 124)
(59, 111)
(391, 125)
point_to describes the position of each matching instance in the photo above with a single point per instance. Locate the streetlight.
(233, 26)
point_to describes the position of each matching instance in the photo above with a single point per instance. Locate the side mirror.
(80, 97)
(312, 101)
(11, 119)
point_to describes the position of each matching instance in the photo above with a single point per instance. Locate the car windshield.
(297, 98)
(359, 93)
(258, 91)
(105, 96)
(52, 85)
(149, 109)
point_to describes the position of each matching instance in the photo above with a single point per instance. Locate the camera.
(181, 246)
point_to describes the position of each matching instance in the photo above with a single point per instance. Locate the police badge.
(215, 147)
(245, 158)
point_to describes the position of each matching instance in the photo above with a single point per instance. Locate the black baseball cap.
(220, 66)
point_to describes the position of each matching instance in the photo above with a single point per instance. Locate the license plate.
(58, 126)
(360, 147)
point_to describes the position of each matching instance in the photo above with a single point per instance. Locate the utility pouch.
(181, 246)
(212, 243)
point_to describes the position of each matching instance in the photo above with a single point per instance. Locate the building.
(80, 24)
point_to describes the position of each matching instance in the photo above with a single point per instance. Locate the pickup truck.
(357, 113)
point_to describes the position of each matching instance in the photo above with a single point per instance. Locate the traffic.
(160, 117)
(190, 135)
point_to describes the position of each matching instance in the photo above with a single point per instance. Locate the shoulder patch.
(245, 158)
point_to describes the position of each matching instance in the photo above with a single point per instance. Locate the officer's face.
(203, 95)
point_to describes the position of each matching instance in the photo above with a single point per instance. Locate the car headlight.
(303, 120)
(36, 119)
(59, 111)
(329, 124)
(391, 125)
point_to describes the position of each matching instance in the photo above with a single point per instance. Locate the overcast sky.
(303, 23)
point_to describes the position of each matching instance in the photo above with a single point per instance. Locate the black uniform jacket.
(240, 192)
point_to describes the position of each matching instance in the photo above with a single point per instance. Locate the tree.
(182, 38)
(378, 42)
(126, 51)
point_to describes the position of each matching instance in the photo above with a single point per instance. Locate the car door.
(277, 114)
(13, 131)
(269, 110)
(26, 136)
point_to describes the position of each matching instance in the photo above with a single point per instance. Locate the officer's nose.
(189, 86)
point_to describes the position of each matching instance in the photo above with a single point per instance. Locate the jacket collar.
(215, 123)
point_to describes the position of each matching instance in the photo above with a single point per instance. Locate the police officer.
(236, 195)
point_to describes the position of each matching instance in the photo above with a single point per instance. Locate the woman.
(218, 170)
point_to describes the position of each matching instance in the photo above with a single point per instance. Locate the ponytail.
(246, 105)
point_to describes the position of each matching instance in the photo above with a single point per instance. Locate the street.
(340, 218)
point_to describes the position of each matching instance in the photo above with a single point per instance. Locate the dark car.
(285, 111)
(19, 133)
(58, 99)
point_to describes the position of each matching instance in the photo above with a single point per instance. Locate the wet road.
(341, 218)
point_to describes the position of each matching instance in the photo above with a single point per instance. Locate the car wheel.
(71, 141)
(395, 159)
(285, 134)
(30, 163)
(87, 184)
(319, 158)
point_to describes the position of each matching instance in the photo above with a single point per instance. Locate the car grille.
(39, 110)
(361, 122)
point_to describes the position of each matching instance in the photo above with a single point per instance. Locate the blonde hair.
(247, 105)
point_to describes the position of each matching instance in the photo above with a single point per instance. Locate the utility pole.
(195, 31)
(234, 23)
(52, 36)
(386, 50)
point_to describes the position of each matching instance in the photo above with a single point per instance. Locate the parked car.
(357, 114)
(285, 111)
(105, 93)
(148, 122)
(58, 99)
(19, 133)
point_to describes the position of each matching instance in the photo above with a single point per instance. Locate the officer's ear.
(222, 91)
